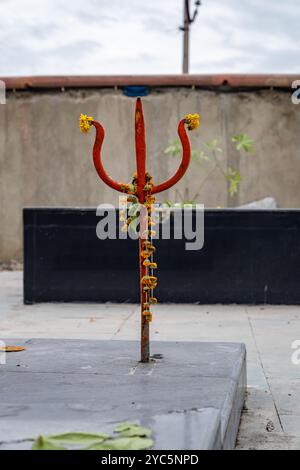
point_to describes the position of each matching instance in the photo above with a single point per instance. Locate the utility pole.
(188, 19)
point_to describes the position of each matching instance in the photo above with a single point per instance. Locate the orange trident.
(141, 190)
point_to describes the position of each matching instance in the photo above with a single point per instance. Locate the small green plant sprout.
(243, 142)
(211, 154)
(234, 179)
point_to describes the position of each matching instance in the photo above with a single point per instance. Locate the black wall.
(250, 257)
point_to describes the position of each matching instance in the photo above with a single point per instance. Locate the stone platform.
(191, 394)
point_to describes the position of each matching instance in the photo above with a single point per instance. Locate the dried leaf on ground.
(12, 348)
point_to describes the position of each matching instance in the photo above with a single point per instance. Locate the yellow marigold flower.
(151, 248)
(85, 122)
(150, 264)
(153, 300)
(131, 188)
(132, 198)
(148, 316)
(153, 265)
(150, 199)
(145, 254)
(146, 280)
(192, 121)
(128, 188)
(146, 313)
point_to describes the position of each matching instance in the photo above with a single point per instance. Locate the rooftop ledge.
(111, 81)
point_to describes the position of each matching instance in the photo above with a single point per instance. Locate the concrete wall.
(45, 161)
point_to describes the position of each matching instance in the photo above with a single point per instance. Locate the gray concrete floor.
(271, 419)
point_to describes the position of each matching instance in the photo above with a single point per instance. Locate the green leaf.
(234, 179)
(190, 204)
(123, 443)
(42, 443)
(174, 148)
(77, 438)
(134, 430)
(199, 156)
(213, 145)
(243, 142)
(124, 426)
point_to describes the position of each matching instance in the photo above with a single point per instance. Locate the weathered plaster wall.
(45, 161)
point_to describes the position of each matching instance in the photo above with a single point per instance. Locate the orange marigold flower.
(147, 313)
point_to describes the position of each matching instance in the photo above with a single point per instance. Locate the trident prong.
(191, 121)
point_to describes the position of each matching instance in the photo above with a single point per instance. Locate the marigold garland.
(149, 282)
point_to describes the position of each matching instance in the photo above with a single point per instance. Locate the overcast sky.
(49, 37)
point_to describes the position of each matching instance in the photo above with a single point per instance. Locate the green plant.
(211, 153)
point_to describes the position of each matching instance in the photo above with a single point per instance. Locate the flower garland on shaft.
(149, 281)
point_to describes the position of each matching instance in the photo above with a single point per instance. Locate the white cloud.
(129, 37)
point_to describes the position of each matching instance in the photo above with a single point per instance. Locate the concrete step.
(191, 394)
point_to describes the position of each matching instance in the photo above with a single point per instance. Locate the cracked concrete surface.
(271, 418)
